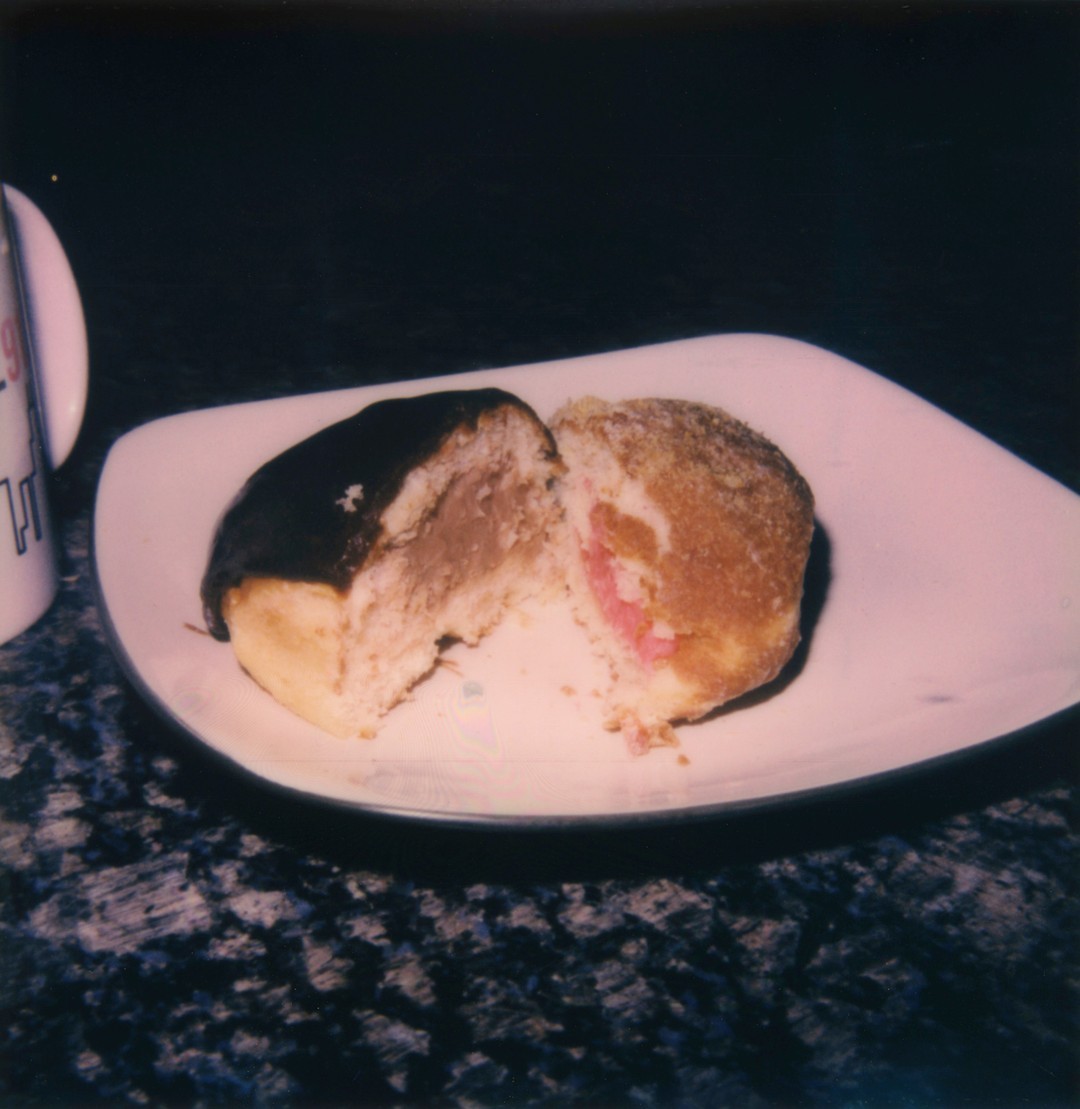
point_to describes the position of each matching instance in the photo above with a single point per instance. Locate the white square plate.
(945, 607)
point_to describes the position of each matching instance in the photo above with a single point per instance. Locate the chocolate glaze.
(289, 520)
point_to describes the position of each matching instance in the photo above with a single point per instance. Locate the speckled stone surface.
(171, 934)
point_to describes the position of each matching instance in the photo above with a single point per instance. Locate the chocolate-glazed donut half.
(348, 560)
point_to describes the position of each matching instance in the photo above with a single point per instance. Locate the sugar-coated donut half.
(689, 536)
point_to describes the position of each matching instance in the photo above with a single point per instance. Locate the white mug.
(43, 384)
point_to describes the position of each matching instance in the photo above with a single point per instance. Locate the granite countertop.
(171, 933)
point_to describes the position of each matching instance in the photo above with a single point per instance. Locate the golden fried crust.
(287, 635)
(729, 579)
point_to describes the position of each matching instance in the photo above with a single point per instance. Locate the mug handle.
(56, 325)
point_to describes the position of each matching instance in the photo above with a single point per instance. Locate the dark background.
(262, 199)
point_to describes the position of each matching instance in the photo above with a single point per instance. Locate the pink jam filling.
(626, 617)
